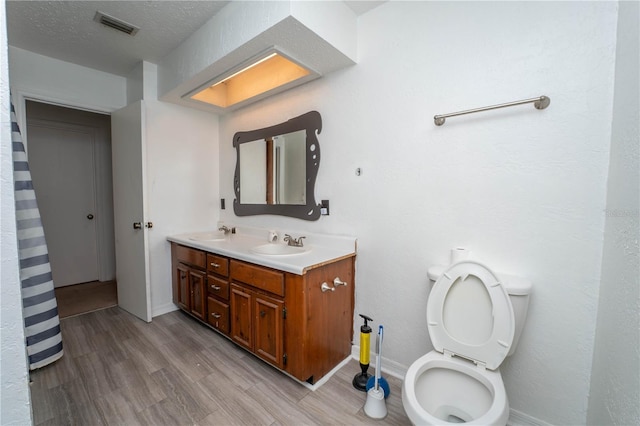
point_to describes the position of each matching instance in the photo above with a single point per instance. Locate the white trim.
(163, 309)
(324, 379)
(389, 367)
(20, 104)
(517, 418)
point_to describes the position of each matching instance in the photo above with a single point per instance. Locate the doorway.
(69, 153)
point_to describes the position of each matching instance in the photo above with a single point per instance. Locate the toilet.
(475, 318)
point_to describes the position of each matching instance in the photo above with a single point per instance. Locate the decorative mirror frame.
(312, 123)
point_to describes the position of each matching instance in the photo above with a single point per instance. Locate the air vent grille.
(115, 23)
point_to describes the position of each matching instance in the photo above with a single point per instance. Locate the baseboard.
(163, 309)
(389, 367)
(517, 418)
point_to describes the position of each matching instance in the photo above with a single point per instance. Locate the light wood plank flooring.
(118, 370)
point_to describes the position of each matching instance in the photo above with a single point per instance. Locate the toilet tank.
(518, 289)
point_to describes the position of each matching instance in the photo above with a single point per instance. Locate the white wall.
(42, 78)
(15, 404)
(615, 384)
(523, 189)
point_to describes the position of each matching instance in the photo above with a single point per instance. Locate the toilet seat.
(458, 290)
(495, 413)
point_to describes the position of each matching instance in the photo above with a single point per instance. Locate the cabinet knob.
(325, 287)
(338, 282)
(262, 314)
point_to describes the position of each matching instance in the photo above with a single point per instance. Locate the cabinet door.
(268, 329)
(183, 292)
(198, 294)
(241, 318)
(218, 315)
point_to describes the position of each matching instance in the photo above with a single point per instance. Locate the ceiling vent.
(115, 23)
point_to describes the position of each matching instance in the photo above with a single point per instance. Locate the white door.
(61, 158)
(129, 202)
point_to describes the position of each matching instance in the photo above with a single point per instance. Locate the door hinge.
(284, 313)
(284, 359)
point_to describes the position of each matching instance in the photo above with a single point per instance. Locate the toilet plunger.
(375, 406)
(360, 379)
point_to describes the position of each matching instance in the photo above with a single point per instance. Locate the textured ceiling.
(66, 30)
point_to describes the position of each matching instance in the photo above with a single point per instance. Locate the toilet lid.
(469, 314)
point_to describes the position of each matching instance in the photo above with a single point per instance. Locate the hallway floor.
(87, 297)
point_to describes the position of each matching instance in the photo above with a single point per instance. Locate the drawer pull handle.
(337, 282)
(215, 287)
(325, 287)
(215, 315)
(215, 265)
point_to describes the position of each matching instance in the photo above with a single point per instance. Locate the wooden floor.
(119, 370)
(87, 297)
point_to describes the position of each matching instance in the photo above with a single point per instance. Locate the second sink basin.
(271, 249)
(208, 236)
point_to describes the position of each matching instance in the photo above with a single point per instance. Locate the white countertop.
(321, 248)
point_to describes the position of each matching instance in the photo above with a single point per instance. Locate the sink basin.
(271, 249)
(208, 236)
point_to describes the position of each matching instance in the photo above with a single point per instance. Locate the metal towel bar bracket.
(540, 102)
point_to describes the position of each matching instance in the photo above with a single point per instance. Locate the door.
(198, 294)
(61, 157)
(269, 329)
(132, 256)
(240, 305)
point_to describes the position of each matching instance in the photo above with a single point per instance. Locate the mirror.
(276, 169)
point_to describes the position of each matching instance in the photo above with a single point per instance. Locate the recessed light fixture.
(265, 74)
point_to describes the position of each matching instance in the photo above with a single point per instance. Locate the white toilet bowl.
(473, 326)
(441, 390)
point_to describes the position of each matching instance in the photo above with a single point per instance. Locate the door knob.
(137, 225)
(90, 216)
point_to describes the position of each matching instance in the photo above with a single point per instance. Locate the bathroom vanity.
(292, 309)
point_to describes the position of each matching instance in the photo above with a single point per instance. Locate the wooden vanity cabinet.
(257, 310)
(189, 290)
(284, 318)
(319, 325)
(218, 292)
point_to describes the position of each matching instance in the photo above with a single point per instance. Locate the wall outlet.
(324, 207)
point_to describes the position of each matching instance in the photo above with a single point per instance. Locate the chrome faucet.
(225, 229)
(293, 242)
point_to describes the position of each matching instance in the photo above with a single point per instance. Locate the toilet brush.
(375, 406)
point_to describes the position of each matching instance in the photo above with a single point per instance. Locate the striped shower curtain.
(39, 306)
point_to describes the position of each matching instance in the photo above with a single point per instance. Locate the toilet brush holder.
(375, 405)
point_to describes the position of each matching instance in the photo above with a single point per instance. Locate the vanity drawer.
(258, 277)
(190, 256)
(218, 287)
(217, 265)
(218, 315)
